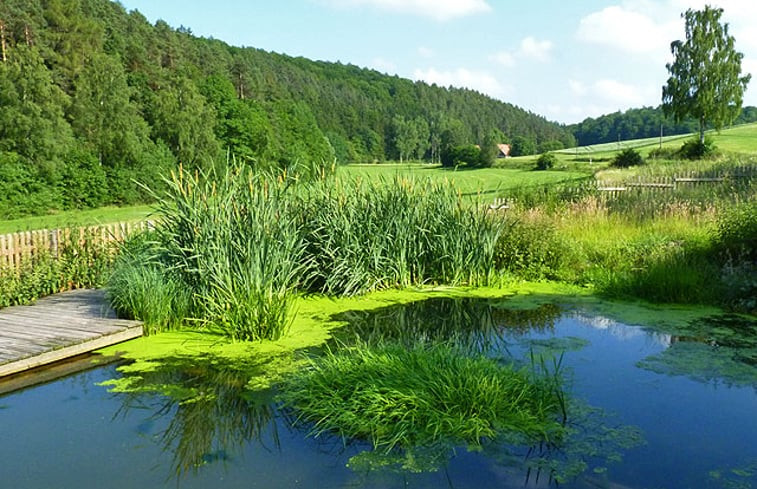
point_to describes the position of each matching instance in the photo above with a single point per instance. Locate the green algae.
(719, 348)
(318, 318)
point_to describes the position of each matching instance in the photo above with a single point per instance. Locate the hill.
(93, 97)
(643, 123)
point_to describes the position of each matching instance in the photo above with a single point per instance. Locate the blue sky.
(563, 59)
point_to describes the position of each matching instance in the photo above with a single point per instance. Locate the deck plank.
(59, 327)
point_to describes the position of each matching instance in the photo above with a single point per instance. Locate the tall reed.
(365, 236)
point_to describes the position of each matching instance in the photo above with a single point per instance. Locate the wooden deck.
(59, 327)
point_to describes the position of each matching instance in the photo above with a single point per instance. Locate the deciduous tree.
(705, 78)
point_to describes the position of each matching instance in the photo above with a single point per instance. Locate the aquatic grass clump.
(364, 236)
(395, 397)
(141, 288)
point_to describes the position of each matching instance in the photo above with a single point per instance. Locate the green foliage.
(88, 77)
(696, 149)
(531, 249)
(552, 145)
(81, 262)
(546, 161)
(627, 158)
(141, 288)
(522, 146)
(395, 397)
(489, 149)
(231, 240)
(466, 155)
(705, 78)
(737, 231)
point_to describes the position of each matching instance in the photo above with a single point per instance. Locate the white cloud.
(533, 49)
(441, 10)
(577, 88)
(530, 48)
(383, 65)
(503, 58)
(621, 94)
(481, 81)
(426, 52)
(629, 30)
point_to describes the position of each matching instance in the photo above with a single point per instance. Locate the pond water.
(652, 409)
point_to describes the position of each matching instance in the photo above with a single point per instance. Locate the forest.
(95, 98)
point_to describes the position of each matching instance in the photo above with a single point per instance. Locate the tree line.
(94, 99)
(646, 122)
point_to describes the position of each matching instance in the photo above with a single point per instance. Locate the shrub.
(81, 262)
(694, 149)
(546, 161)
(626, 158)
(530, 249)
(466, 155)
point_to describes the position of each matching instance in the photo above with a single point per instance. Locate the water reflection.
(713, 349)
(474, 325)
(211, 413)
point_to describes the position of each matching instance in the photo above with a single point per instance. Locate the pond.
(650, 408)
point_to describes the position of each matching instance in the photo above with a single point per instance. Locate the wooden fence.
(16, 247)
(685, 180)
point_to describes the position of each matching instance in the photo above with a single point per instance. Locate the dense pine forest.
(640, 124)
(95, 98)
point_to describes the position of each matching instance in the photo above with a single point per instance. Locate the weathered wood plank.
(59, 327)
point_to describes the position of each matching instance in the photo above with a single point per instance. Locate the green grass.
(69, 219)
(396, 397)
(486, 182)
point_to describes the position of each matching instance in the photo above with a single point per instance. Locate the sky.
(563, 59)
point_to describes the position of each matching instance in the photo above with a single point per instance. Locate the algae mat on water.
(317, 318)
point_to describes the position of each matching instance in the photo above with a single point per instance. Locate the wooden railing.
(16, 247)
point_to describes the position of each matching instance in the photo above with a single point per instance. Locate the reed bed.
(367, 236)
(241, 245)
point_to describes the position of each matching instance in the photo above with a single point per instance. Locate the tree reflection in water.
(212, 413)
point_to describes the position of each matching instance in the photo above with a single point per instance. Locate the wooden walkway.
(59, 327)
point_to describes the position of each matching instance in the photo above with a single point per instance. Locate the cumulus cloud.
(441, 10)
(532, 48)
(503, 58)
(623, 94)
(529, 48)
(481, 81)
(628, 30)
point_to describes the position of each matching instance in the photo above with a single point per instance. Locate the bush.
(546, 161)
(694, 149)
(530, 249)
(626, 158)
(466, 155)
